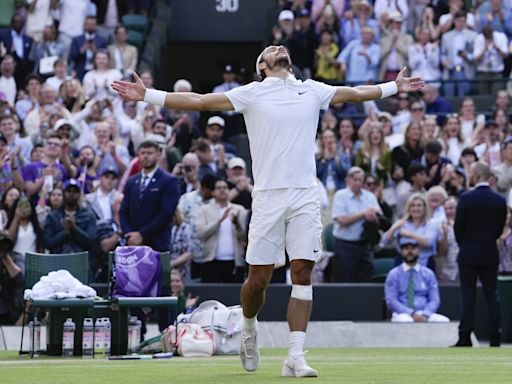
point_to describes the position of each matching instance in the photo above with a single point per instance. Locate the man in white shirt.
(491, 49)
(281, 114)
(101, 201)
(7, 81)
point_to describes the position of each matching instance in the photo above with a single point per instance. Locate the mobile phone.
(48, 183)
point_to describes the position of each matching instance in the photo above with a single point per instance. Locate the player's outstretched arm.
(373, 92)
(185, 101)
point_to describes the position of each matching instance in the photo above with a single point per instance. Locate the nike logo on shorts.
(301, 93)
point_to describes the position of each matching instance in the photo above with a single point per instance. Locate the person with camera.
(352, 206)
(11, 284)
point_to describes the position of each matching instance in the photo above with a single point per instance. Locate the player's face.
(276, 57)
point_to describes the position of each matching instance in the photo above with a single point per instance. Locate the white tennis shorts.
(284, 219)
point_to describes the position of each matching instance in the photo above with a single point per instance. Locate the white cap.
(215, 120)
(182, 84)
(236, 162)
(258, 59)
(286, 14)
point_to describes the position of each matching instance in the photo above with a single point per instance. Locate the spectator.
(502, 121)
(477, 228)
(31, 99)
(457, 57)
(39, 16)
(181, 246)
(7, 82)
(417, 112)
(411, 289)
(504, 170)
(423, 56)
(328, 21)
(410, 152)
(72, 16)
(9, 196)
(451, 139)
(467, 158)
(415, 224)
(46, 52)
(469, 121)
(504, 272)
(155, 190)
(204, 153)
(356, 19)
(503, 102)
(18, 45)
(352, 206)
(109, 14)
(447, 20)
(435, 104)
(394, 47)
(326, 66)
(49, 171)
(302, 43)
(418, 176)
(359, 60)
(402, 117)
(438, 167)
(430, 128)
(9, 174)
(490, 50)
(11, 284)
(221, 226)
(72, 95)
(60, 71)
(436, 196)
(446, 264)
(229, 78)
(371, 184)
(70, 228)
(47, 202)
(188, 171)
(97, 82)
(348, 145)
(110, 237)
(110, 154)
(87, 168)
(222, 151)
(337, 7)
(456, 184)
(130, 127)
(330, 169)
(496, 15)
(84, 47)
(374, 156)
(388, 6)
(20, 146)
(426, 21)
(490, 150)
(23, 228)
(240, 185)
(123, 56)
(283, 31)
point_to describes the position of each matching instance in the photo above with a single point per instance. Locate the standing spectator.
(490, 50)
(150, 199)
(438, 167)
(394, 47)
(109, 153)
(424, 58)
(71, 16)
(39, 16)
(503, 171)
(9, 173)
(205, 155)
(430, 128)
(229, 80)
(359, 60)
(411, 289)
(240, 185)
(188, 171)
(70, 228)
(479, 222)
(87, 168)
(328, 21)
(60, 71)
(504, 281)
(84, 47)
(73, 98)
(374, 156)
(387, 6)
(447, 20)
(503, 102)
(356, 19)
(426, 21)
(502, 121)
(469, 121)
(302, 44)
(417, 175)
(348, 145)
(330, 169)
(353, 261)
(7, 82)
(18, 45)
(446, 265)
(97, 82)
(496, 15)
(181, 246)
(435, 103)
(326, 66)
(451, 139)
(31, 99)
(457, 57)
(48, 49)
(490, 150)
(123, 56)
(11, 284)
(221, 226)
(221, 151)
(372, 185)
(410, 152)
(21, 146)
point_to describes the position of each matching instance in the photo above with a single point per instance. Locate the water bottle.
(107, 327)
(68, 338)
(87, 338)
(99, 338)
(132, 324)
(35, 336)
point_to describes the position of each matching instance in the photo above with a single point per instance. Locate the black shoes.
(463, 343)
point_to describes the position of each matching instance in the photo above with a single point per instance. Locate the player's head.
(272, 58)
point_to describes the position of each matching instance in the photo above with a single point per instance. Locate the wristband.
(154, 96)
(388, 89)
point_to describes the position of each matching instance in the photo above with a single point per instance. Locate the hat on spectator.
(159, 139)
(368, 29)
(61, 123)
(304, 12)
(385, 115)
(396, 16)
(407, 241)
(491, 123)
(236, 162)
(286, 14)
(72, 183)
(364, 3)
(182, 85)
(229, 69)
(110, 170)
(507, 141)
(433, 146)
(216, 120)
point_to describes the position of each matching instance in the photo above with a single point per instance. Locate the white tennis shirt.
(281, 116)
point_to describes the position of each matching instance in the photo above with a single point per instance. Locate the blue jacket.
(152, 214)
(78, 57)
(479, 222)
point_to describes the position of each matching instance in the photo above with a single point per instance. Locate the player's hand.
(408, 84)
(130, 91)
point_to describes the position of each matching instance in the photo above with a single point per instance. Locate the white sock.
(296, 343)
(250, 322)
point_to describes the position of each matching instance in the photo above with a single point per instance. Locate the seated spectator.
(374, 156)
(326, 66)
(356, 19)
(435, 104)
(451, 138)
(411, 289)
(418, 111)
(402, 117)
(456, 184)
(60, 74)
(222, 226)
(97, 82)
(188, 171)
(330, 169)
(503, 102)
(87, 169)
(125, 114)
(31, 99)
(72, 95)
(110, 154)
(181, 246)
(417, 175)
(47, 202)
(348, 144)
(21, 146)
(240, 185)
(502, 121)
(430, 128)
(204, 153)
(469, 121)
(436, 196)
(7, 82)
(424, 58)
(359, 60)
(11, 284)
(9, 196)
(447, 269)
(415, 224)
(9, 173)
(123, 56)
(490, 150)
(84, 47)
(70, 228)
(352, 206)
(18, 45)
(504, 170)
(371, 184)
(44, 53)
(394, 47)
(438, 167)
(490, 51)
(23, 228)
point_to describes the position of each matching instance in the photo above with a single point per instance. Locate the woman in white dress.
(97, 82)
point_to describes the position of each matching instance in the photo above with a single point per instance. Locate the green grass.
(351, 366)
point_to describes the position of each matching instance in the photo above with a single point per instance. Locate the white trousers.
(405, 318)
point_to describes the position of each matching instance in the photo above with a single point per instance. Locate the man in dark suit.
(84, 47)
(150, 199)
(479, 222)
(18, 45)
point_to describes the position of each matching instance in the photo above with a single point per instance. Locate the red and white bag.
(190, 340)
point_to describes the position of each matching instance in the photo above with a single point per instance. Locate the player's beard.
(282, 62)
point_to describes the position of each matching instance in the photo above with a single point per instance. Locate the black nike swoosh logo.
(301, 93)
(316, 250)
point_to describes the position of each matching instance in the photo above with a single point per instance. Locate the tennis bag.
(189, 340)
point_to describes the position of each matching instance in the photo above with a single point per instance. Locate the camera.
(187, 168)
